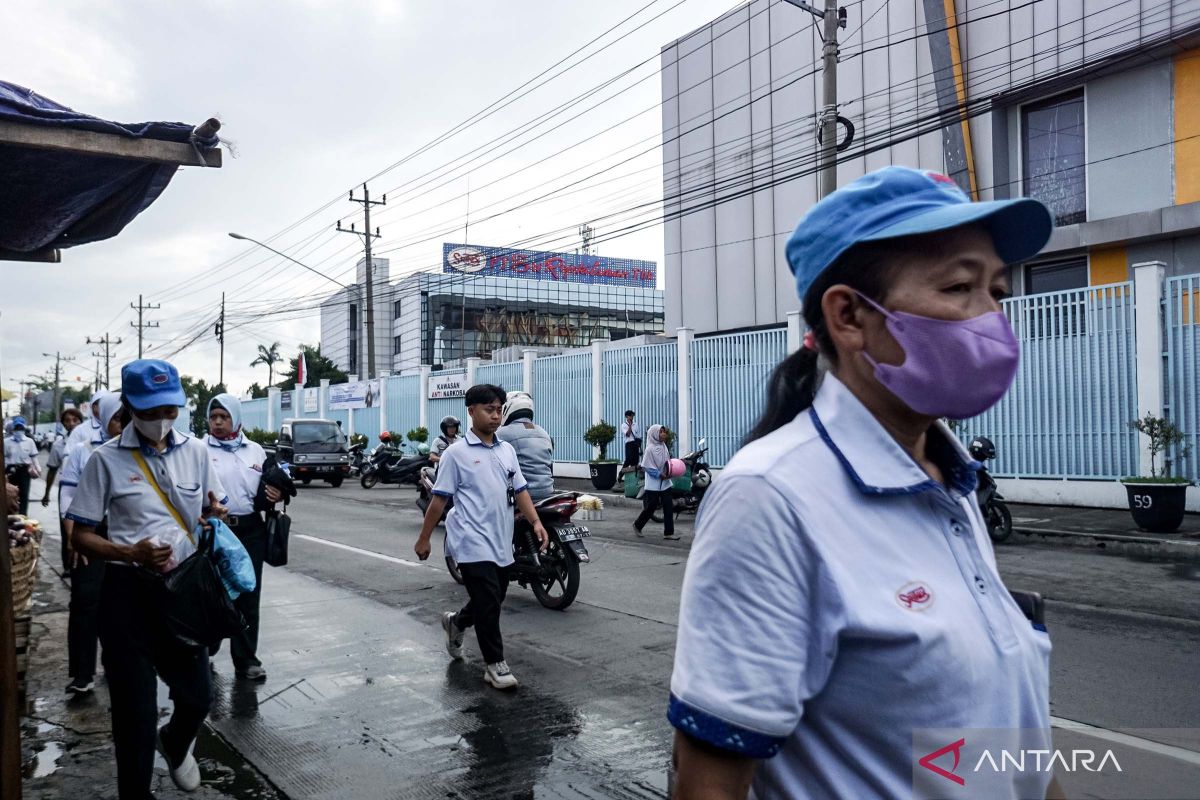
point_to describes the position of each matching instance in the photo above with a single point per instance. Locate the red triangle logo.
(927, 761)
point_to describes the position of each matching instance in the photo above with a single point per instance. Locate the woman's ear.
(844, 318)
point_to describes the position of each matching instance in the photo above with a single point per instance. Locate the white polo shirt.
(114, 486)
(58, 453)
(837, 599)
(75, 460)
(22, 453)
(478, 477)
(240, 472)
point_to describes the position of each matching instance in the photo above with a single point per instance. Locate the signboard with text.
(503, 262)
(285, 401)
(310, 400)
(445, 386)
(357, 394)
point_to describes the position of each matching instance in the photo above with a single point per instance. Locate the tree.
(319, 368)
(269, 356)
(200, 393)
(255, 391)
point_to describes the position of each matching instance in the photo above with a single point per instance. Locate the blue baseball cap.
(18, 422)
(894, 202)
(150, 383)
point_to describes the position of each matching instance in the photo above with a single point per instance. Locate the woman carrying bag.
(154, 484)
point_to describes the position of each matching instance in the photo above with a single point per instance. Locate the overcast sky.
(317, 96)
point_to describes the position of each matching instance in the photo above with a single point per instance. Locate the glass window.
(1054, 169)
(1056, 276)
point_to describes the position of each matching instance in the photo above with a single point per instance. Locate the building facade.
(1092, 107)
(489, 299)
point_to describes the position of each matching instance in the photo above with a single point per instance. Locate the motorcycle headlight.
(301, 459)
(344, 459)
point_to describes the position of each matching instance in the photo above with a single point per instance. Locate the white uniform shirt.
(240, 472)
(72, 470)
(630, 433)
(478, 477)
(113, 485)
(58, 453)
(837, 600)
(22, 452)
(86, 431)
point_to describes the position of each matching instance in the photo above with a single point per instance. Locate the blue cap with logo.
(150, 383)
(18, 422)
(894, 202)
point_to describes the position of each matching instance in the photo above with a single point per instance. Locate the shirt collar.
(873, 459)
(475, 441)
(129, 440)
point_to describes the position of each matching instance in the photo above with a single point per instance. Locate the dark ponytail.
(794, 382)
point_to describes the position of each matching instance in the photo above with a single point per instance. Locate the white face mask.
(153, 429)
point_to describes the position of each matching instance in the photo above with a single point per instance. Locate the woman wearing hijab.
(658, 484)
(239, 465)
(87, 575)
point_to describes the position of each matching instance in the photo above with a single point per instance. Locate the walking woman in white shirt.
(841, 603)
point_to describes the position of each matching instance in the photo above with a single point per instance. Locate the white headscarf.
(657, 455)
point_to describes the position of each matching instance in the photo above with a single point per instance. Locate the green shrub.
(420, 435)
(600, 435)
(261, 436)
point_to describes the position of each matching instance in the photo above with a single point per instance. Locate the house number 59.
(1142, 501)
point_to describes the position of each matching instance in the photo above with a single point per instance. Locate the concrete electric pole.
(140, 308)
(58, 359)
(108, 342)
(366, 202)
(834, 18)
(220, 331)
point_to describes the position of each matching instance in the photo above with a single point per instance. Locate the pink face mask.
(952, 368)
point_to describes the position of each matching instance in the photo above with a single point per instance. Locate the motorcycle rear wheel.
(368, 481)
(999, 522)
(565, 579)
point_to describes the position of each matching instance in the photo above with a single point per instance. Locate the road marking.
(1170, 751)
(404, 562)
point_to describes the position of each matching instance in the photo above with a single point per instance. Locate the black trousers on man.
(18, 474)
(633, 453)
(487, 586)
(251, 531)
(138, 649)
(87, 582)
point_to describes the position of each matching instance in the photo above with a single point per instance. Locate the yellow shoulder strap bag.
(166, 501)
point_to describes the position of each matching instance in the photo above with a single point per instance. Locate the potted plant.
(603, 469)
(1157, 502)
(419, 435)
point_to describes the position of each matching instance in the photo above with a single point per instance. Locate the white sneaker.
(500, 676)
(454, 636)
(187, 775)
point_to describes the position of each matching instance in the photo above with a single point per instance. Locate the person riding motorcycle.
(450, 426)
(534, 446)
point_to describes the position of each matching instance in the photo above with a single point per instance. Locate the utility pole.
(58, 359)
(834, 18)
(587, 233)
(141, 307)
(366, 202)
(220, 331)
(108, 342)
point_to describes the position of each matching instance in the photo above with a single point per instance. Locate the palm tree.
(269, 356)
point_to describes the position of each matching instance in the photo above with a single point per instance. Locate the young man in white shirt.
(483, 477)
(631, 435)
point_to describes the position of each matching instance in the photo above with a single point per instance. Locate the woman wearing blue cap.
(153, 483)
(20, 461)
(842, 614)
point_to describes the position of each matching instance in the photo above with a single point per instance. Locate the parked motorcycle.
(996, 515)
(425, 492)
(391, 465)
(697, 479)
(553, 575)
(357, 458)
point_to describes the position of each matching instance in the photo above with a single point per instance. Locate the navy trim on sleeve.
(83, 520)
(440, 493)
(719, 733)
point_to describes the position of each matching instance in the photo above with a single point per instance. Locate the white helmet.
(517, 401)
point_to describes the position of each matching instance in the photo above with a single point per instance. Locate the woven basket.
(24, 573)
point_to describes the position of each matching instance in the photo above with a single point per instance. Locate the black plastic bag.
(279, 525)
(194, 601)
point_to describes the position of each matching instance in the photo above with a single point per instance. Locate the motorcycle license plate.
(573, 533)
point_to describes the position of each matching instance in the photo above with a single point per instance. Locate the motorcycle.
(357, 459)
(553, 575)
(697, 480)
(425, 493)
(996, 516)
(390, 465)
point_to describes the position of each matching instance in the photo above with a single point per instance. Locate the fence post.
(597, 387)
(472, 370)
(795, 331)
(423, 396)
(528, 357)
(1148, 330)
(272, 399)
(323, 398)
(684, 350)
(298, 401)
(383, 392)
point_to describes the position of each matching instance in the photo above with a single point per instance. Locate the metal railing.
(644, 379)
(1182, 370)
(563, 398)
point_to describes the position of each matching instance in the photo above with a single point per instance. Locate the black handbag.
(279, 525)
(196, 606)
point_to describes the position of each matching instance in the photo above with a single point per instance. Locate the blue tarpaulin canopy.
(68, 178)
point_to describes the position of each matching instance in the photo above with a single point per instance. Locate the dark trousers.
(87, 583)
(487, 586)
(652, 500)
(18, 474)
(633, 452)
(139, 649)
(251, 531)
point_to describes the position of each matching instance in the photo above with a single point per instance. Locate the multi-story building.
(1092, 106)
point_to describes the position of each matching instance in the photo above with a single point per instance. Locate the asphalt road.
(363, 702)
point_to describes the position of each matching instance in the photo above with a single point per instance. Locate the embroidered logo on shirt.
(135, 478)
(914, 596)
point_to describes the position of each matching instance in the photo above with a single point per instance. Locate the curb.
(1139, 546)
